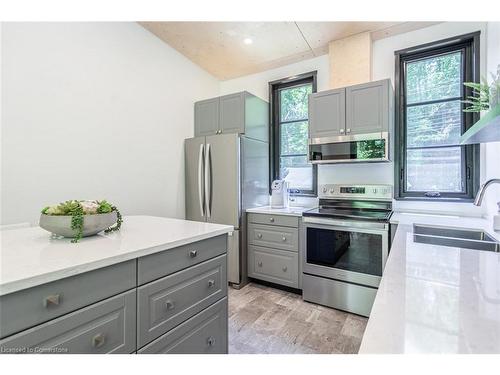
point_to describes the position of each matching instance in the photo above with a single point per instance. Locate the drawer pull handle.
(285, 268)
(169, 305)
(98, 340)
(211, 341)
(283, 238)
(193, 253)
(259, 264)
(271, 219)
(259, 235)
(52, 300)
(211, 283)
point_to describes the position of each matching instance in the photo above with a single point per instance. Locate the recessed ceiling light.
(247, 41)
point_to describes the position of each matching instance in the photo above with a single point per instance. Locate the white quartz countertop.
(30, 257)
(436, 299)
(288, 211)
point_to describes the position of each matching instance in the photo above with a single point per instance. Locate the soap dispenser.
(496, 219)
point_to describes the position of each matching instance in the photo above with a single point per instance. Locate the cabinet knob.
(169, 305)
(271, 219)
(193, 253)
(211, 283)
(259, 235)
(211, 341)
(283, 238)
(259, 264)
(285, 268)
(98, 340)
(52, 300)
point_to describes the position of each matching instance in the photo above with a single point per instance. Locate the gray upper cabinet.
(232, 113)
(239, 113)
(358, 109)
(206, 117)
(327, 113)
(367, 107)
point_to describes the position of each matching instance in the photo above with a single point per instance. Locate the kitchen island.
(157, 285)
(436, 299)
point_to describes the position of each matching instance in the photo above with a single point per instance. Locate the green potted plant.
(80, 218)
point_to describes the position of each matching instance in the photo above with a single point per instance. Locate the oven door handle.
(345, 223)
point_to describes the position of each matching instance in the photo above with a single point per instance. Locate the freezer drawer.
(276, 266)
(104, 327)
(167, 302)
(204, 333)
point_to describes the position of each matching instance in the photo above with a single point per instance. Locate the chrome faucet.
(482, 189)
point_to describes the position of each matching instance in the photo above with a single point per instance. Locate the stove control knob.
(374, 191)
(324, 190)
(332, 191)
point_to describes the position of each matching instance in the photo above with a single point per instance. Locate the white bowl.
(92, 224)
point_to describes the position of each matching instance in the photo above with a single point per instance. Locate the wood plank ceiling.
(220, 48)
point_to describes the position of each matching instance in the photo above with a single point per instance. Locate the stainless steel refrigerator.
(225, 175)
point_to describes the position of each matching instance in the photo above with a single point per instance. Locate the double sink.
(455, 237)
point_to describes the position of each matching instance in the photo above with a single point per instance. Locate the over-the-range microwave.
(372, 147)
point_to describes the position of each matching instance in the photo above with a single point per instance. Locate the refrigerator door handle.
(201, 162)
(208, 182)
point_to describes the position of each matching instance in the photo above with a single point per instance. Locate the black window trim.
(471, 167)
(274, 135)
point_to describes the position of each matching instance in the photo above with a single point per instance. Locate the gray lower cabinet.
(283, 238)
(108, 326)
(167, 302)
(32, 306)
(176, 297)
(204, 333)
(274, 249)
(327, 113)
(276, 266)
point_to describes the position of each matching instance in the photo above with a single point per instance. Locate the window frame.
(274, 135)
(469, 43)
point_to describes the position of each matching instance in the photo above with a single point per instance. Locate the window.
(430, 162)
(289, 133)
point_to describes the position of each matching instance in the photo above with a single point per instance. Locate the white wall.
(492, 150)
(383, 67)
(94, 110)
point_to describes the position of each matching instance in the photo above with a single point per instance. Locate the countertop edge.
(17, 285)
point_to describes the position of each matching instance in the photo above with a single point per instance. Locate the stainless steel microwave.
(372, 147)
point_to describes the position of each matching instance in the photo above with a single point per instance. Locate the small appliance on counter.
(279, 194)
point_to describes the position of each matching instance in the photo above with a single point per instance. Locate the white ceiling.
(218, 47)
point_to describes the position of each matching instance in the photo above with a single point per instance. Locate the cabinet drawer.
(157, 265)
(273, 236)
(165, 303)
(204, 333)
(105, 327)
(280, 220)
(30, 307)
(277, 266)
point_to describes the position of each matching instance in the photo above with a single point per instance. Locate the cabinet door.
(276, 266)
(206, 117)
(367, 107)
(232, 113)
(327, 113)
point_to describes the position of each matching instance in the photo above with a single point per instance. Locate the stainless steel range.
(346, 246)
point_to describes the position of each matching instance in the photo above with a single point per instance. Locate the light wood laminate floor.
(267, 320)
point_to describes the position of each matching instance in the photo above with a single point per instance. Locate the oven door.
(351, 251)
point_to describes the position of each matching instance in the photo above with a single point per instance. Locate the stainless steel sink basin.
(455, 237)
